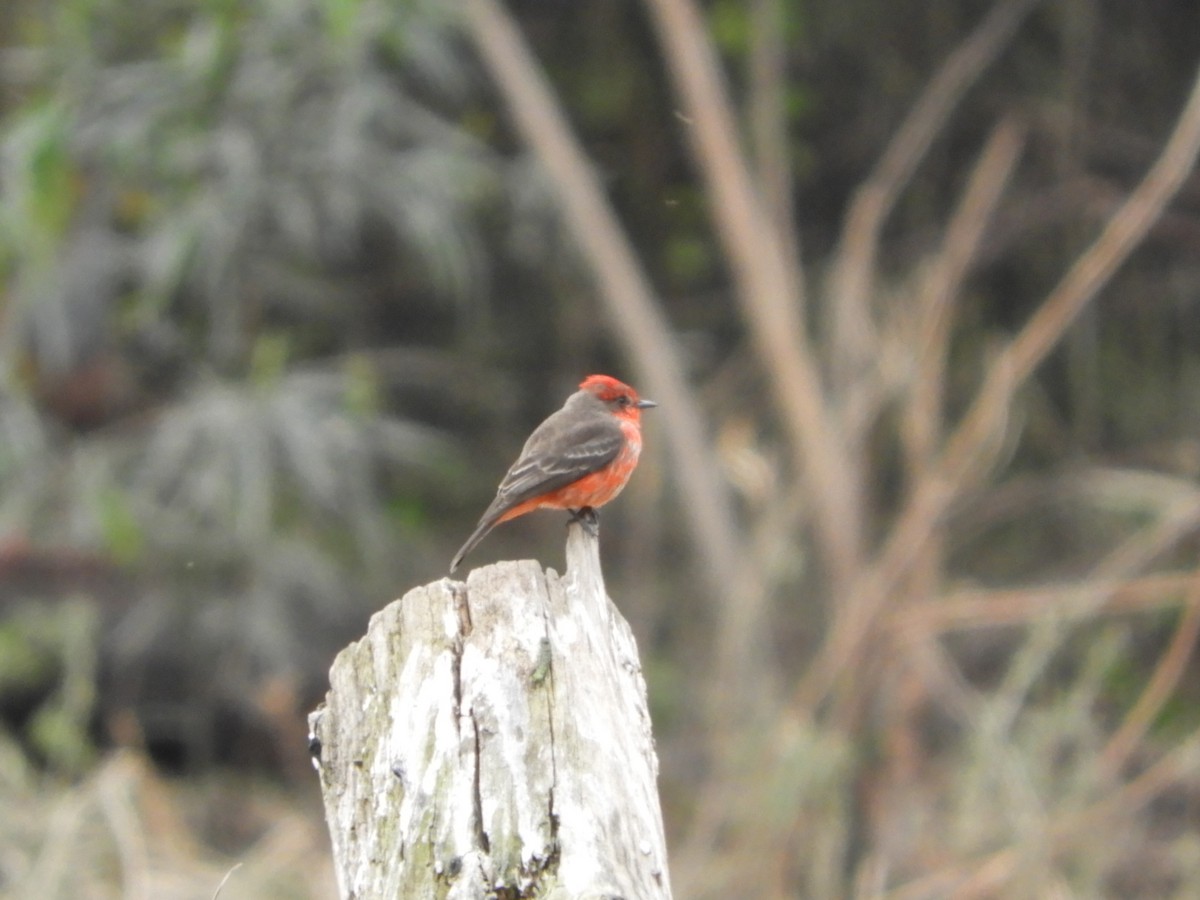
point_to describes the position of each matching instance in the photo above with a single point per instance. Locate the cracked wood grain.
(491, 739)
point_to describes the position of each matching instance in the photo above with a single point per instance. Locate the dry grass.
(124, 831)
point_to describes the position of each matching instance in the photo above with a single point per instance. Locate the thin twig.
(1124, 232)
(966, 456)
(922, 421)
(768, 286)
(950, 267)
(873, 202)
(1077, 827)
(1158, 689)
(982, 877)
(768, 121)
(60, 844)
(114, 784)
(971, 609)
(228, 875)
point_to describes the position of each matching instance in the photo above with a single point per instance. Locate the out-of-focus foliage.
(124, 828)
(231, 234)
(261, 259)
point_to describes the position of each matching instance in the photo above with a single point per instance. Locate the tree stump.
(491, 740)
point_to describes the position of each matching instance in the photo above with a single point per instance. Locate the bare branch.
(633, 310)
(1160, 687)
(852, 329)
(950, 267)
(983, 878)
(767, 117)
(769, 286)
(921, 424)
(966, 453)
(970, 609)
(1127, 228)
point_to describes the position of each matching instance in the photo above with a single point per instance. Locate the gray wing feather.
(553, 458)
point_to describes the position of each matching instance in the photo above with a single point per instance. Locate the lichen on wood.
(491, 739)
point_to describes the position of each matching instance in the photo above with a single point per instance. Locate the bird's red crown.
(607, 388)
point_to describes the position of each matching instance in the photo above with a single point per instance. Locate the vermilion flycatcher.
(578, 459)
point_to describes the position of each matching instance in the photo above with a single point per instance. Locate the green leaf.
(362, 387)
(269, 360)
(122, 533)
(341, 17)
(62, 738)
(43, 183)
(730, 22)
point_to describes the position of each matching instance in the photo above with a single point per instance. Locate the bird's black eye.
(623, 400)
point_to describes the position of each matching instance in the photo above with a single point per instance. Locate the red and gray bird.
(578, 459)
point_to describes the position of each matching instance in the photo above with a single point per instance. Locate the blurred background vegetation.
(911, 554)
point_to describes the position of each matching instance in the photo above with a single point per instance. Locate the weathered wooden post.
(491, 740)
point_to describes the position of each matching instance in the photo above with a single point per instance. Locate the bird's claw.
(588, 518)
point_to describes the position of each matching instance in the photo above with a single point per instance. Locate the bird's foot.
(588, 518)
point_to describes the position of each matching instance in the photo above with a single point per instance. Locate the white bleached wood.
(491, 739)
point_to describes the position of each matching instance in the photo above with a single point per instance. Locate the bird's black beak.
(645, 404)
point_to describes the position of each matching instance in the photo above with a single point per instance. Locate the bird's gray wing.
(561, 451)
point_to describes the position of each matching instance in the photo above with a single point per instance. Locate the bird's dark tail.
(486, 524)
